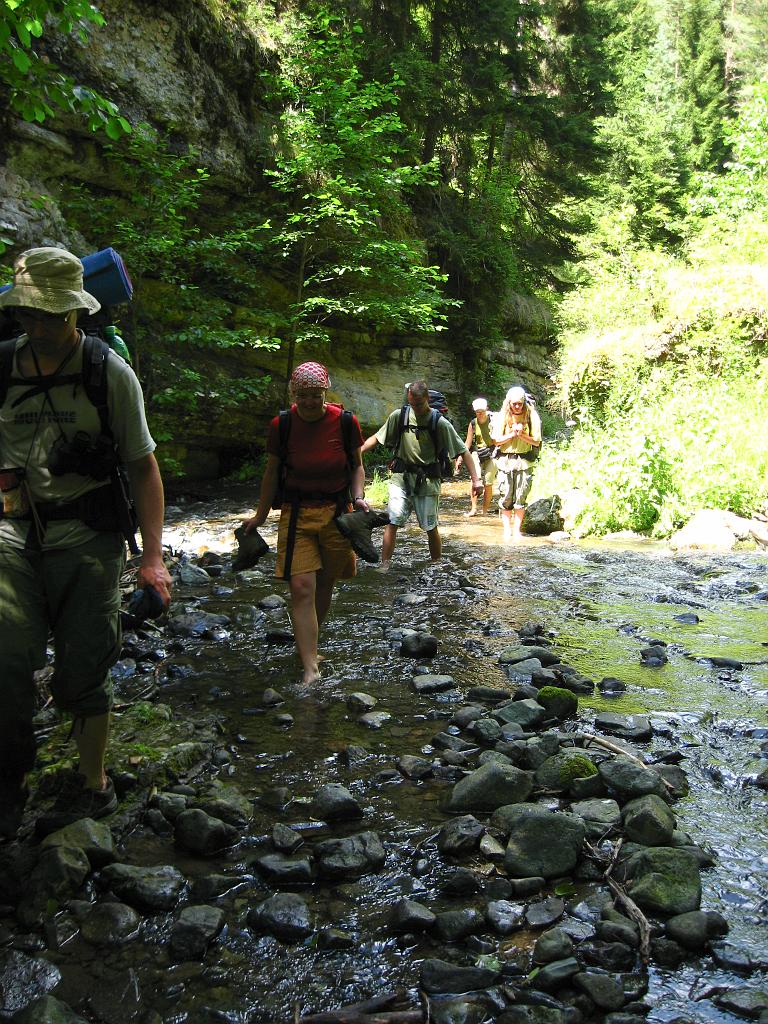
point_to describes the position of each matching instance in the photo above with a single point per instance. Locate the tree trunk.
(434, 119)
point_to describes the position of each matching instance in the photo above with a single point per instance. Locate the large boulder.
(664, 880)
(490, 786)
(543, 517)
(648, 821)
(546, 844)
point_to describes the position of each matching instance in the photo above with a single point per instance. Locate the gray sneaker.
(250, 548)
(357, 528)
(76, 801)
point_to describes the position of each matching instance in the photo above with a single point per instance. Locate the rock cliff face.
(197, 76)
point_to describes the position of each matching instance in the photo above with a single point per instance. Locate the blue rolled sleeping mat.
(105, 277)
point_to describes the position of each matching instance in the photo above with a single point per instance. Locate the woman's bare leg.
(305, 624)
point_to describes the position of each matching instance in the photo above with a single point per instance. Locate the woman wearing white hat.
(517, 433)
(480, 446)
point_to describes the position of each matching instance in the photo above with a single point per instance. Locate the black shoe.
(357, 528)
(13, 799)
(250, 548)
(74, 802)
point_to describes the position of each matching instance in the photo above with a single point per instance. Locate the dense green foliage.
(37, 88)
(443, 166)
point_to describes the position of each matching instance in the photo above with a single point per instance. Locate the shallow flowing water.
(601, 604)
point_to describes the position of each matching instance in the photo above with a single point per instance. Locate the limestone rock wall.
(198, 77)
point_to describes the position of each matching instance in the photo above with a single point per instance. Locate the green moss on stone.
(557, 701)
(576, 767)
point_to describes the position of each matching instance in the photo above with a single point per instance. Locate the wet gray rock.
(418, 645)
(504, 917)
(460, 837)
(23, 979)
(636, 728)
(485, 731)
(528, 714)
(735, 958)
(193, 575)
(459, 1011)
(648, 821)
(664, 881)
(360, 701)
(110, 924)
(625, 933)
(284, 870)
(610, 685)
(94, 838)
(286, 916)
(744, 1001)
(439, 976)
(554, 944)
(609, 955)
(146, 888)
(605, 813)
(410, 600)
(429, 683)
(604, 990)
(202, 834)
(48, 1010)
(654, 656)
(491, 786)
(546, 844)
(196, 623)
(695, 929)
(492, 849)
(410, 916)
(675, 777)
(557, 772)
(194, 931)
(272, 602)
(460, 882)
(335, 938)
(226, 803)
(271, 698)
(626, 779)
(285, 839)
(558, 702)
(488, 694)
(453, 925)
(523, 887)
(523, 652)
(545, 912)
(170, 805)
(334, 802)
(414, 767)
(352, 857)
(448, 741)
(522, 671)
(212, 887)
(543, 517)
(555, 976)
(374, 719)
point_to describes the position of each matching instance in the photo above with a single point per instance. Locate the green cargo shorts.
(73, 594)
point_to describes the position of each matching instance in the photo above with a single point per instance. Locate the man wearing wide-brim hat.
(61, 550)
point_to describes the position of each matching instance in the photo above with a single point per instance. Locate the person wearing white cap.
(517, 433)
(480, 445)
(62, 547)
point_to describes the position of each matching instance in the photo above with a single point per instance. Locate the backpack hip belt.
(96, 509)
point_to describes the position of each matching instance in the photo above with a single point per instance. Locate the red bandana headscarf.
(310, 375)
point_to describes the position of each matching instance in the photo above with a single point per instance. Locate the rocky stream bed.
(530, 788)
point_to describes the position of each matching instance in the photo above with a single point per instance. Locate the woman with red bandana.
(318, 477)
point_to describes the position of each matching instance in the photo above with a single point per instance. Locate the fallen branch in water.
(633, 911)
(616, 749)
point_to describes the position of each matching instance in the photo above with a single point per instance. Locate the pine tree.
(702, 81)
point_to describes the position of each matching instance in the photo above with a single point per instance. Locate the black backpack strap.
(434, 419)
(95, 354)
(401, 421)
(347, 424)
(7, 351)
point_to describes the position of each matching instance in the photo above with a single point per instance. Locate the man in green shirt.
(415, 481)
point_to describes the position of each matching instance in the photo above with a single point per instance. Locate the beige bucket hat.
(50, 279)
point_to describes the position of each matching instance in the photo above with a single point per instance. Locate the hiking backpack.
(346, 422)
(93, 377)
(443, 460)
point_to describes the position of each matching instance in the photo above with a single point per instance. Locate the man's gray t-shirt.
(29, 430)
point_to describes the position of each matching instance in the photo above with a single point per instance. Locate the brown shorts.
(318, 545)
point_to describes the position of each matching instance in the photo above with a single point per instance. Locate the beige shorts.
(318, 544)
(485, 470)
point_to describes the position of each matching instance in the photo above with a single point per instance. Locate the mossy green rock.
(558, 702)
(665, 881)
(558, 772)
